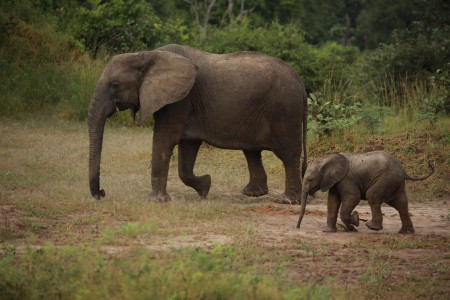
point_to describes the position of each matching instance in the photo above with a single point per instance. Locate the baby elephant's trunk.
(302, 208)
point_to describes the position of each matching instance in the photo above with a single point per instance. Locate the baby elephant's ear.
(333, 170)
(168, 79)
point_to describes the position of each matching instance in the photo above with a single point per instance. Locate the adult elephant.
(245, 101)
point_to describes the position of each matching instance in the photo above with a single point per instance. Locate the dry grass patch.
(123, 246)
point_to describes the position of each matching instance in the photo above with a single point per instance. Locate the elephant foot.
(204, 184)
(99, 195)
(373, 226)
(329, 229)
(346, 227)
(407, 230)
(255, 190)
(351, 228)
(158, 197)
(355, 218)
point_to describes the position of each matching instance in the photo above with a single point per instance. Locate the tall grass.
(394, 104)
(409, 101)
(63, 88)
(85, 73)
(43, 69)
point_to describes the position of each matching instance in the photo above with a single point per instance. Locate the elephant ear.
(169, 78)
(333, 170)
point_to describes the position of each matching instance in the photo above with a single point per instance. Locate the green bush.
(45, 44)
(116, 26)
(438, 103)
(415, 52)
(441, 80)
(65, 88)
(335, 62)
(328, 115)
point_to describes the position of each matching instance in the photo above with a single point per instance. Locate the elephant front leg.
(348, 217)
(333, 204)
(187, 151)
(161, 155)
(257, 185)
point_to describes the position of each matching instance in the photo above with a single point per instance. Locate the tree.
(202, 12)
(419, 49)
(379, 18)
(242, 11)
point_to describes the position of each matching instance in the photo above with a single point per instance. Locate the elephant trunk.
(304, 196)
(96, 123)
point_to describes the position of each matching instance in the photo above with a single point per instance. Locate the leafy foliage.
(330, 116)
(117, 25)
(47, 41)
(419, 50)
(435, 105)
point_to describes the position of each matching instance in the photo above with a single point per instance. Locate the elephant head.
(322, 174)
(144, 82)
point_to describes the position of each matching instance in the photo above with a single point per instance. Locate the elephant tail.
(423, 177)
(305, 132)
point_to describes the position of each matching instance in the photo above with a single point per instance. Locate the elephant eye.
(115, 85)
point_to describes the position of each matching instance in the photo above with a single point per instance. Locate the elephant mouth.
(313, 192)
(121, 106)
(111, 113)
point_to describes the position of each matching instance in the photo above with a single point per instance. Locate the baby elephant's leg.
(375, 196)
(377, 217)
(349, 203)
(400, 203)
(334, 202)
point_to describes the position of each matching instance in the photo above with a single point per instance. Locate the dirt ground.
(366, 256)
(350, 259)
(44, 198)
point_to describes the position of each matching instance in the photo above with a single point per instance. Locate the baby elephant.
(374, 176)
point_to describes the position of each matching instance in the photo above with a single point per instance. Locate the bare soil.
(364, 257)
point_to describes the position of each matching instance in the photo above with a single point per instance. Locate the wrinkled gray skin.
(245, 101)
(374, 176)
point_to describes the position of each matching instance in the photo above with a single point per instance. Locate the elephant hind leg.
(187, 152)
(376, 223)
(400, 203)
(293, 182)
(375, 196)
(257, 185)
